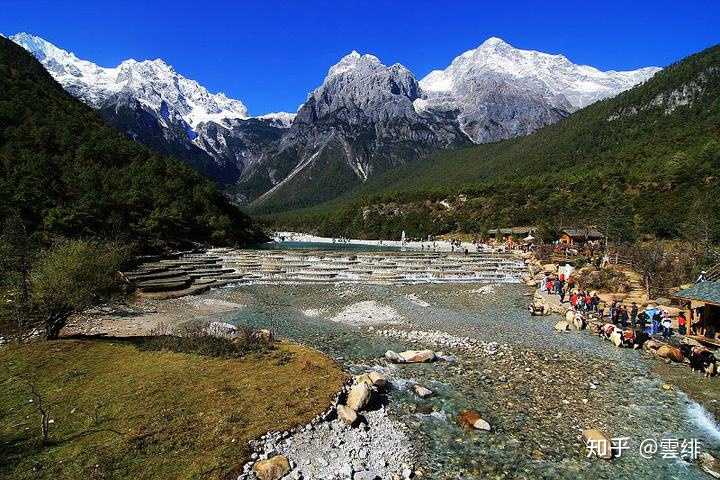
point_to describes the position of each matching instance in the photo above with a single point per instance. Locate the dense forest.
(65, 173)
(644, 163)
(78, 201)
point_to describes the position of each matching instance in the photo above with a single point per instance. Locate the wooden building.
(704, 299)
(578, 236)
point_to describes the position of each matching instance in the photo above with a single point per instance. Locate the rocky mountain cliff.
(359, 122)
(157, 106)
(502, 92)
(365, 118)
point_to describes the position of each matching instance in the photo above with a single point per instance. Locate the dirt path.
(141, 316)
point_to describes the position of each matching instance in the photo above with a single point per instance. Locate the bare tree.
(44, 416)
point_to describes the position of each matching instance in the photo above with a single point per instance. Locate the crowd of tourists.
(651, 319)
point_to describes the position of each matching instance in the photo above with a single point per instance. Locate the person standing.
(623, 314)
(543, 283)
(656, 323)
(633, 314)
(642, 319)
(682, 323)
(667, 325)
(614, 312)
(588, 302)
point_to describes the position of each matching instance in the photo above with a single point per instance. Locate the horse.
(701, 359)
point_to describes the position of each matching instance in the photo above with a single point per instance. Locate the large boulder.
(393, 357)
(373, 379)
(417, 356)
(358, 397)
(669, 352)
(472, 419)
(346, 414)
(599, 442)
(273, 468)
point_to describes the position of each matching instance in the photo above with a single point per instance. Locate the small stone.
(709, 464)
(422, 392)
(272, 469)
(377, 379)
(417, 356)
(472, 419)
(600, 440)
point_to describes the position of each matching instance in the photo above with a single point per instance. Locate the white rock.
(422, 392)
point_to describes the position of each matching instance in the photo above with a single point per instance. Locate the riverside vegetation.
(119, 411)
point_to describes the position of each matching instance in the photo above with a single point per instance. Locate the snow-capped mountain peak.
(565, 84)
(496, 84)
(353, 61)
(153, 83)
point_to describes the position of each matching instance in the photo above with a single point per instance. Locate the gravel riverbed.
(537, 388)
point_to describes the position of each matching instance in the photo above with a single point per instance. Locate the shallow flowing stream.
(539, 391)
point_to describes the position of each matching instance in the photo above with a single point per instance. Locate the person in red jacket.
(573, 300)
(682, 323)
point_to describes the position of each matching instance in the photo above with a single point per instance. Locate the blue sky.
(270, 54)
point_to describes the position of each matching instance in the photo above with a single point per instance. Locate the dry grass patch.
(119, 412)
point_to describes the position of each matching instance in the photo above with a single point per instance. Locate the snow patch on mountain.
(279, 119)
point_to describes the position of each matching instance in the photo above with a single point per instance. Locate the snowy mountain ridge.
(581, 85)
(152, 82)
(364, 118)
(526, 83)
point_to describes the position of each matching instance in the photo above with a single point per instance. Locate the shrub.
(195, 337)
(71, 276)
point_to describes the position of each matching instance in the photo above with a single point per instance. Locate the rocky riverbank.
(373, 447)
(537, 390)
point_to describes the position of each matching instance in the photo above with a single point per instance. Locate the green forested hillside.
(65, 173)
(645, 162)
